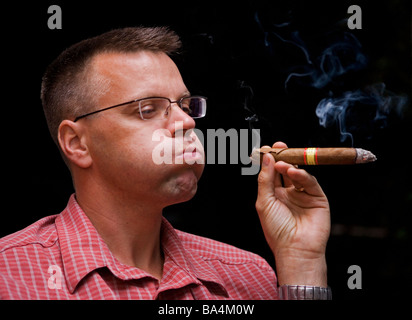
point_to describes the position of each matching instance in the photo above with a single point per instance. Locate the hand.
(296, 223)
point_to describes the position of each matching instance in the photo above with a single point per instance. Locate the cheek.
(127, 158)
(122, 149)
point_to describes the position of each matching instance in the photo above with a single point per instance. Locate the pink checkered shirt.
(63, 257)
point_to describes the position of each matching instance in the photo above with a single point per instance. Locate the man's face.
(121, 143)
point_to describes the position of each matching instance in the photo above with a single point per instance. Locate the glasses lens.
(194, 106)
(153, 108)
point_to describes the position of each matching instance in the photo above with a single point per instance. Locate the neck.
(130, 228)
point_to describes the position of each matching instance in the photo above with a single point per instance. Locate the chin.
(185, 186)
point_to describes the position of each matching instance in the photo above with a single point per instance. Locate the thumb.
(267, 179)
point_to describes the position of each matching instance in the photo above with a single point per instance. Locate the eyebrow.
(185, 93)
(153, 94)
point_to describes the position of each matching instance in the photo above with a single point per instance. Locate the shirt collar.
(189, 261)
(83, 251)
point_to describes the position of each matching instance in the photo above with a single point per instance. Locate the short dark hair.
(69, 86)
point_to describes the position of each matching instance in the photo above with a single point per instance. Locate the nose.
(178, 116)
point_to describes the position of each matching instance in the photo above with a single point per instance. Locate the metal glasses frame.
(178, 102)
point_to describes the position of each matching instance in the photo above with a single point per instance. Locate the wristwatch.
(295, 292)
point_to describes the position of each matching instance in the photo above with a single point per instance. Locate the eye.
(185, 105)
(153, 108)
(147, 110)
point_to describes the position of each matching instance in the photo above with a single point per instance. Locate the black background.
(225, 58)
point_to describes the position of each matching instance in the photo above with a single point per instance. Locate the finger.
(277, 179)
(268, 178)
(300, 178)
(265, 179)
(264, 147)
(279, 144)
(286, 181)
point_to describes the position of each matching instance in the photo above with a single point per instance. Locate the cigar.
(315, 156)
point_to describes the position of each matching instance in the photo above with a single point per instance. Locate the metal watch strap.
(294, 292)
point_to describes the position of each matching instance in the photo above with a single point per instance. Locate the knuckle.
(313, 179)
(261, 178)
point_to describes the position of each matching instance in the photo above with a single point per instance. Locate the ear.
(72, 141)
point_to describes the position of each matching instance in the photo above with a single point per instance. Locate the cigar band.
(310, 156)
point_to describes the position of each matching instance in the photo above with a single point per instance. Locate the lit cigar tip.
(364, 156)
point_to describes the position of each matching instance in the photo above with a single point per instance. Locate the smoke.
(327, 66)
(361, 111)
(248, 94)
(336, 60)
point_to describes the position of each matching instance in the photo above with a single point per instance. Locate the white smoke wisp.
(375, 101)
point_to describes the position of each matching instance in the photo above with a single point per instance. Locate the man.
(105, 99)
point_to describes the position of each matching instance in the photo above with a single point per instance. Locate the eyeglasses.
(156, 108)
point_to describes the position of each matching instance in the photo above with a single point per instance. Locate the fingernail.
(266, 160)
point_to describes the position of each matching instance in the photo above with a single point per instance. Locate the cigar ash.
(364, 156)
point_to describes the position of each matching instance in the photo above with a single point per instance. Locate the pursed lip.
(191, 152)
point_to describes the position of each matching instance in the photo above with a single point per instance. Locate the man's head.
(70, 87)
(112, 150)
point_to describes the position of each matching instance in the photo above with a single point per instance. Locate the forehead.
(139, 74)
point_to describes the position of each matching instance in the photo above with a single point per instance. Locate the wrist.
(292, 270)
